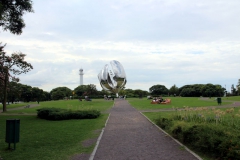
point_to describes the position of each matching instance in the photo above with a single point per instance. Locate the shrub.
(164, 123)
(213, 141)
(63, 114)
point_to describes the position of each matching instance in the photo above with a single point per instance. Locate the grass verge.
(96, 104)
(42, 139)
(179, 102)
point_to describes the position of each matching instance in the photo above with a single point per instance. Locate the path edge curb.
(99, 138)
(98, 141)
(190, 151)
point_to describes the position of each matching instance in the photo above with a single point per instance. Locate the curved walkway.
(20, 108)
(129, 135)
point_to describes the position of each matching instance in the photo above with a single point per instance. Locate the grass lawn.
(179, 102)
(50, 140)
(233, 98)
(97, 104)
(42, 139)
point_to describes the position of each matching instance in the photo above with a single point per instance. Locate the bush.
(63, 114)
(212, 140)
(164, 123)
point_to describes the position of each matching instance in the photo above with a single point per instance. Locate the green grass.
(42, 139)
(97, 104)
(232, 98)
(180, 102)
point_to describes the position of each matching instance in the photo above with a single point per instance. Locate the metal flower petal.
(112, 77)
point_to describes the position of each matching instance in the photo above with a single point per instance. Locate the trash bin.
(12, 131)
(219, 101)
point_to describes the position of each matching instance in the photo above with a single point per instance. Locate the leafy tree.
(183, 87)
(187, 92)
(238, 87)
(60, 93)
(26, 93)
(129, 92)
(13, 92)
(91, 90)
(46, 96)
(174, 90)
(80, 90)
(211, 90)
(9, 66)
(37, 94)
(197, 90)
(11, 12)
(194, 90)
(158, 90)
(140, 92)
(102, 93)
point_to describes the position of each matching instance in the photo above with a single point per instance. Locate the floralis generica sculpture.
(112, 77)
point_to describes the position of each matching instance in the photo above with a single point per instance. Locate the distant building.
(81, 76)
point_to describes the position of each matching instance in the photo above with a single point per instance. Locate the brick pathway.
(128, 135)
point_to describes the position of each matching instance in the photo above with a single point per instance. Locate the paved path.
(20, 108)
(128, 135)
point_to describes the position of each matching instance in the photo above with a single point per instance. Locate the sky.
(163, 42)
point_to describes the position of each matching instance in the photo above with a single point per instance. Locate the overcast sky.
(163, 42)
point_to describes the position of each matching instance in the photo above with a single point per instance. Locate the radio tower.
(81, 76)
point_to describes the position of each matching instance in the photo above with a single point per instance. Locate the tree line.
(195, 90)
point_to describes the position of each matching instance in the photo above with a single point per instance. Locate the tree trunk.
(5, 92)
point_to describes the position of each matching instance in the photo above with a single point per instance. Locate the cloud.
(157, 42)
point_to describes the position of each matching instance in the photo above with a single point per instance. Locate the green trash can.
(219, 101)
(12, 131)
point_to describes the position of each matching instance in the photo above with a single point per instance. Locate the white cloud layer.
(157, 41)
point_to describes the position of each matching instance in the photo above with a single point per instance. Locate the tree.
(60, 93)
(187, 92)
(210, 90)
(57, 95)
(174, 90)
(129, 92)
(140, 93)
(9, 66)
(26, 93)
(91, 90)
(11, 12)
(46, 96)
(158, 90)
(80, 90)
(37, 94)
(238, 87)
(13, 92)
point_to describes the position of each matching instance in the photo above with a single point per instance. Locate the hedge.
(64, 114)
